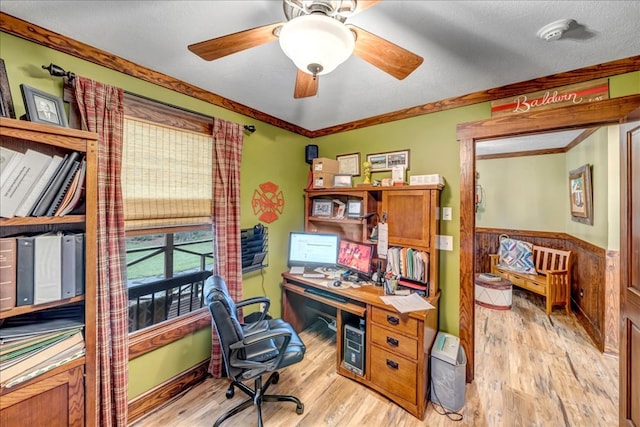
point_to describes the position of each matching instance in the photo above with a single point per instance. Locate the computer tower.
(354, 349)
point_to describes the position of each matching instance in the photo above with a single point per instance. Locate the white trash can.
(448, 372)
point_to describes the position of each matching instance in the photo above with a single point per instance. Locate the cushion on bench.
(516, 255)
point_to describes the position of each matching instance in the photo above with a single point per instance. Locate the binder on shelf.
(64, 188)
(7, 273)
(72, 265)
(51, 192)
(47, 274)
(38, 188)
(72, 197)
(18, 184)
(9, 159)
(24, 271)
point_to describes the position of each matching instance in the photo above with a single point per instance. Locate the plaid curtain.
(227, 154)
(102, 111)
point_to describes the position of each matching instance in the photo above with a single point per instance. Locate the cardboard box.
(432, 179)
(322, 164)
(323, 180)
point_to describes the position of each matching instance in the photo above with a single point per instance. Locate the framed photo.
(43, 107)
(386, 161)
(6, 102)
(349, 164)
(340, 180)
(581, 195)
(322, 208)
(354, 208)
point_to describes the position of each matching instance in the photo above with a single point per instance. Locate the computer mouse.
(337, 283)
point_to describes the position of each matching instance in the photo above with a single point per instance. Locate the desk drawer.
(394, 320)
(395, 374)
(396, 343)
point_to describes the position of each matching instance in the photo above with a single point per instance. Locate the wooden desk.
(397, 346)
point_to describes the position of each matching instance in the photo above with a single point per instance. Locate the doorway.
(607, 112)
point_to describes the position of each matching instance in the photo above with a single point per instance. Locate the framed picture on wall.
(349, 164)
(386, 161)
(581, 195)
(6, 103)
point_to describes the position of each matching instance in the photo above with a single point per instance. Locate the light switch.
(444, 243)
(446, 214)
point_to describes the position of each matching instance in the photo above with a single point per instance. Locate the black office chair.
(251, 350)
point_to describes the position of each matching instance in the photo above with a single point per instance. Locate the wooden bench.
(552, 280)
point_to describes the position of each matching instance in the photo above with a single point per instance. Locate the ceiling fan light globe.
(316, 39)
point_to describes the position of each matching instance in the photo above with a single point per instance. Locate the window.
(154, 259)
(167, 196)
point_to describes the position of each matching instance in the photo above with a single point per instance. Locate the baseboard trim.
(166, 392)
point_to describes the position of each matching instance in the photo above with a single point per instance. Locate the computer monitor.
(313, 249)
(356, 256)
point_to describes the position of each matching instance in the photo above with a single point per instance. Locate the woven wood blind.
(166, 175)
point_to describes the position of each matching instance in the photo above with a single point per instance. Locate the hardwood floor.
(532, 370)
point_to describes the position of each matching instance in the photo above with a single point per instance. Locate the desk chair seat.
(251, 350)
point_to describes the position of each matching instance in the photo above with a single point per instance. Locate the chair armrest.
(493, 259)
(263, 314)
(256, 339)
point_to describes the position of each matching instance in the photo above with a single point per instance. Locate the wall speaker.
(310, 153)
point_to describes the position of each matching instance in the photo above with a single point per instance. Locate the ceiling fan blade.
(365, 4)
(306, 85)
(233, 43)
(387, 56)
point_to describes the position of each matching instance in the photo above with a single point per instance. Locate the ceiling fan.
(316, 38)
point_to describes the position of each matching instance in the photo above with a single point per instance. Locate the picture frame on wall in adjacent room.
(43, 107)
(581, 195)
(349, 164)
(322, 207)
(386, 161)
(6, 102)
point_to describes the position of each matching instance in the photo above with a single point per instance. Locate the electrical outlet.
(444, 242)
(446, 214)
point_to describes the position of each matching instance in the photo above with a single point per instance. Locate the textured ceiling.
(468, 46)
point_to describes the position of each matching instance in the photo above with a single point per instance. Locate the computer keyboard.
(326, 294)
(313, 275)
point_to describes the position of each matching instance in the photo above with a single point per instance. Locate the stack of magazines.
(32, 349)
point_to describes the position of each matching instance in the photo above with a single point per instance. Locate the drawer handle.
(392, 341)
(392, 364)
(392, 319)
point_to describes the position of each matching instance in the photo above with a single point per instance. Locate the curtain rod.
(57, 71)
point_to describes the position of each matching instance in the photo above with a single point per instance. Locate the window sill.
(154, 337)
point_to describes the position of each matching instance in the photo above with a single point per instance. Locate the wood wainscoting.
(595, 275)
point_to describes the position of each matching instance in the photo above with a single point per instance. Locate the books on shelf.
(17, 185)
(489, 277)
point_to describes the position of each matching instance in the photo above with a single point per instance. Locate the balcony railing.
(165, 299)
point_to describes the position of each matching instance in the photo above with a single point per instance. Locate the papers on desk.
(407, 303)
(296, 270)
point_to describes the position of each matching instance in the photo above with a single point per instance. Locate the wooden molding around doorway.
(612, 111)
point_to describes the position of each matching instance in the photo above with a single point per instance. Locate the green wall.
(275, 155)
(525, 193)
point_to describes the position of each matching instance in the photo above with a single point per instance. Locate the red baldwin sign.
(581, 93)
